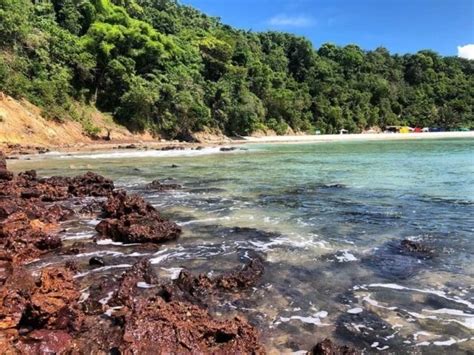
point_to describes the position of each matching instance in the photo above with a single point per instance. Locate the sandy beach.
(222, 141)
(357, 137)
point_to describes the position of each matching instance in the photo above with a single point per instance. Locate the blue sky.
(400, 25)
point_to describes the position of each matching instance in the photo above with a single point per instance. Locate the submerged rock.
(227, 149)
(417, 248)
(248, 276)
(327, 347)
(96, 261)
(160, 186)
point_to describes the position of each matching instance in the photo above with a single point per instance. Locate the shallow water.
(328, 218)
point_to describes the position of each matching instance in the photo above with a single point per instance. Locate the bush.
(280, 127)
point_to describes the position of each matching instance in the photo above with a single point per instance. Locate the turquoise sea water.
(328, 218)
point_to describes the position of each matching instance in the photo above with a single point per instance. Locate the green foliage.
(167, 68)
(14, 21)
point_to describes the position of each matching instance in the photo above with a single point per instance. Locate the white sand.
(357, 137)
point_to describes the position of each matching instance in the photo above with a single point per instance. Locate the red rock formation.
(132, 220)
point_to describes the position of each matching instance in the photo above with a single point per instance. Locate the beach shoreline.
(358, 137)
(17, 150)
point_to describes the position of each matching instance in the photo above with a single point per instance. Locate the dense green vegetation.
(160, 66)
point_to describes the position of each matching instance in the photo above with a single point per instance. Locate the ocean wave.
(142, 154)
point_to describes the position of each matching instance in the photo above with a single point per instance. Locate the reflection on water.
(328, 219)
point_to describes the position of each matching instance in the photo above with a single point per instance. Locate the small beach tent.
(405, 129)
(343, 131)
(418, 130)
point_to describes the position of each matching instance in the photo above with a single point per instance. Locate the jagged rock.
(132, 220)
(90, 184)
(155, 324)
(14, 297)
(54, 301)
(136, 228)
(44, 341)
(121, 204)
(24, 239)
(141, 271)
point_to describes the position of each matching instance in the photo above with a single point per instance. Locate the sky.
(402, 26)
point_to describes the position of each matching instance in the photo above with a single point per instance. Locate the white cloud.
(291, 21)
(466, 51)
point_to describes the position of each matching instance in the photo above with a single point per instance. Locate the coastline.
(358, 137)
(17, 150)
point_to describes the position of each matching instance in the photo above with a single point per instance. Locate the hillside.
(22, 123)
(160, 67)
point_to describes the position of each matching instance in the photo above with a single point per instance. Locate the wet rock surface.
(50, 311)
(327, 347)
(416, 248)
(132, 220)
(161, 186)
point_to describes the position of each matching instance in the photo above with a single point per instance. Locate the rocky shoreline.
(48, 310)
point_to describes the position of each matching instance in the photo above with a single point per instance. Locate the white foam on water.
(105, 268)
(196, 221)
(374, 303)
(84, 296)
(296, 242)
(173, 272)
(417, 334)
(321, 314)
(441, 294)
(423, 343)
(345, 257)
(449, 342)
(356, 310)
(111, 310)
(145, 154)
(453, 312)
(166, 254)
(313, 319)
(100, 253)
(142, 284)
(375, 344)
(107, 298)
(80, 235)
(358, 327)
(111, 242)
(308, 320)
(421, 316)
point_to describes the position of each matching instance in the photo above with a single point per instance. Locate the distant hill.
(171, 70)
